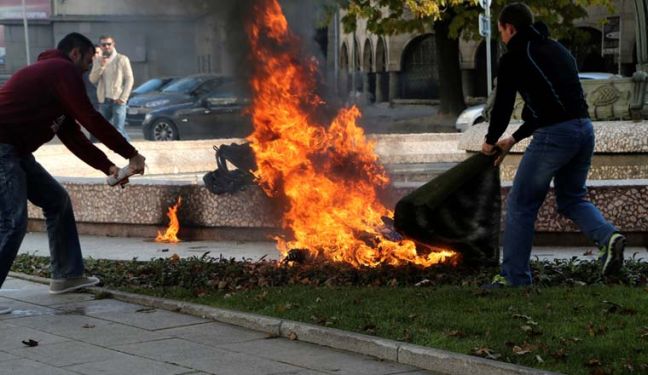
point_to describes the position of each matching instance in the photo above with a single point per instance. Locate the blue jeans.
(115, 114)
(562, 152)
(22, 178)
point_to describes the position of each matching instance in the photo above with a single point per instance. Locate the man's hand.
(114, 172)
(103, 61)
(120, 101)
(505, 145)
(136, 164)
(488, 149)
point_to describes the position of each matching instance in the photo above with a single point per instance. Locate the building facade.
(161, 37)
(404, 66)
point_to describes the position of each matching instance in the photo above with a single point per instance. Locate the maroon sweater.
(48, 98)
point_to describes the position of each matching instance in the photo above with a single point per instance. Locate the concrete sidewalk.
(78, 334)
(119, 248)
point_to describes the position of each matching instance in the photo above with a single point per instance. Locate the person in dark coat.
(555, 113)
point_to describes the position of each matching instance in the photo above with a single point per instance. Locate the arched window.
(420, 74)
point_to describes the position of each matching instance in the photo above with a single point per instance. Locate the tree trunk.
(450, 85)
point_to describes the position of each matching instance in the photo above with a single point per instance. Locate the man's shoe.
(5, 310)
(611, 255)
(59, 286)
(498, 282)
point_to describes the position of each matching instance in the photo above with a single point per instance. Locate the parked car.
(179, 92)
(217, 114)
(152, 85)
(475, 114)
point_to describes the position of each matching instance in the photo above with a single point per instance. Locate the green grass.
(574, 322)
(574, 330)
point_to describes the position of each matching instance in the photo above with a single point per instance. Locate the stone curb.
(438, 361)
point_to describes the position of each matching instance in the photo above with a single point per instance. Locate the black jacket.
(546, 76)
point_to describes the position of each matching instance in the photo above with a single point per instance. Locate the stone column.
(380, 97)
(394, 86)
(366, 87)
(640, 78)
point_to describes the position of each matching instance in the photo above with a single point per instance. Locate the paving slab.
(144, 249)
(21, 309)
(66, 353)
(214, 334)
(128, 364)
(118, 248)
(13, 335)
(131, 314)
(206, 358)
(4, 356)
(111, 337)
(24, 366)
(40, 297)
(316, 357)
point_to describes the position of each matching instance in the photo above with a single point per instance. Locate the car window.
(148, 86)
(208, 87)
(183, 85)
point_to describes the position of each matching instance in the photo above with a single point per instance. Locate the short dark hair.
(75, 40)
(516, 14)
(107, 36)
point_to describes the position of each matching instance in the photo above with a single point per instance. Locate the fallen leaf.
(292, 336)
(519, 351)
(539, 359)
(524, 349)
(88, 326)
(593, 362)
(456, 333)
(407, 336)
(560, 354)
(31, 343)
(643, 332)
(486, 353)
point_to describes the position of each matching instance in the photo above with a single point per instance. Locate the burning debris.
(171, 234)
(326, 171)
(223, 180)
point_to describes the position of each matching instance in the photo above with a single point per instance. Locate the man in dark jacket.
(40, 101)
(555, 112)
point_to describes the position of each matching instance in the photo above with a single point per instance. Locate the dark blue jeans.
(115, 114)
(22, 178)
(562, 152)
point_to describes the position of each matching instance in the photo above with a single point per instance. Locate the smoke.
(307, 20)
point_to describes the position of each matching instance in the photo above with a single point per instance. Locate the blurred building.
(161, 37)
(404, 66)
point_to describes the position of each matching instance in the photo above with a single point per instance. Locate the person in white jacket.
(113, 76)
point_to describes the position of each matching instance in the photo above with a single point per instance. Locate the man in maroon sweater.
(40, 101)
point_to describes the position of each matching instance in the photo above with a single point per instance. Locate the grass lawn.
(573, 323)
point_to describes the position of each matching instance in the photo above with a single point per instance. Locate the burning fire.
(329, 175)
(174, 225)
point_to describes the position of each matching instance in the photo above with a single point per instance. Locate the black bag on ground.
(222, 180)
(460, 209)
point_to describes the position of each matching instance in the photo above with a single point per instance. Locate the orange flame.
(171, 233)
(329, 175)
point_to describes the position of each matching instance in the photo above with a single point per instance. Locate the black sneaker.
(611, 255)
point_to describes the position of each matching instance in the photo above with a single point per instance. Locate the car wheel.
(164, 130)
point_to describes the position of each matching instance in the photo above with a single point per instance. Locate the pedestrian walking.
(555, 113)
